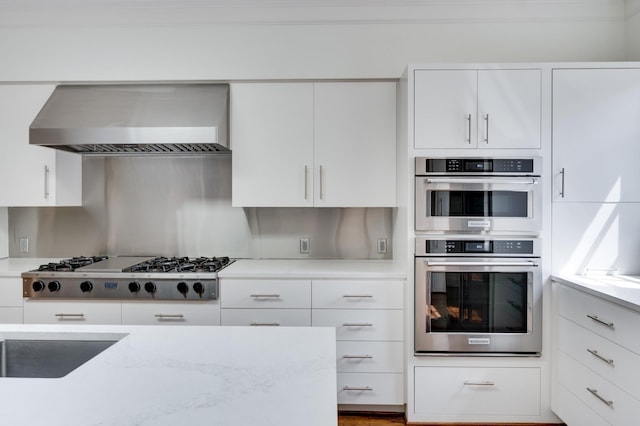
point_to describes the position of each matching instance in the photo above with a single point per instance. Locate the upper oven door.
(482, 203)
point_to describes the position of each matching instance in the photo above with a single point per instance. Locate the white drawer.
(609, 320)
(267, 317)
(265, 293)
(611, 403)
(575, 412)
(363, 324)
(363, 294)
(72, 312)
(600, 355)
(370, 357)
(370, 388)
(136, 312)
(11, 315)
(478, 391)
(11, 291)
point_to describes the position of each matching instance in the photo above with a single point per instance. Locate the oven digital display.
(478, 165)
(477, 247)
(111, 285)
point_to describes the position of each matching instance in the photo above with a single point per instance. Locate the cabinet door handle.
(265, 296)
(357, 357)
(63, 315)
(482, 383)
(265, 324)
(46, 182)
(486, 128)
(561, 183)
(169, 316)
(469, 129)
(603, 322)
(597, 355)
(357, 324)
(357, 388)
(306, 182)
(595, 393)
(321, 189)
(354, 296)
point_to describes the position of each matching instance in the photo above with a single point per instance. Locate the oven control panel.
(527, 247)
(478, 166)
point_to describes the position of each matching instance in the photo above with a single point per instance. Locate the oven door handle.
(524, 181)
(454, 263)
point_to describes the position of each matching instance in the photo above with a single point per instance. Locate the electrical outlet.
(305, 246)
(24, 245)
(382, 245)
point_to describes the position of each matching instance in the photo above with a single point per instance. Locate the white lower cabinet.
(596, 352)
(11, 300)
(72, 312)
(141, 312)
(267, 317)
(475, 391)
(370, 388)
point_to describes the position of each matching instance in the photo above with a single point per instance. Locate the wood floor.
(360, 419)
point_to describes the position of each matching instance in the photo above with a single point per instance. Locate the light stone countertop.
(14, 266)
(621, 289)
(177, 375)
(314, 269)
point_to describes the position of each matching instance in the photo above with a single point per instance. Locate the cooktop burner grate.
(71, 264)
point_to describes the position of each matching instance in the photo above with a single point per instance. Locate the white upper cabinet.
(328, 144)
(477, 108)
(596, 135)
(31, 175)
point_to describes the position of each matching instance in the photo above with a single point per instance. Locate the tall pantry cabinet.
(32, 175)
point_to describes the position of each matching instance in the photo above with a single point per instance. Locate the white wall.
(633, 30)
(72, 48)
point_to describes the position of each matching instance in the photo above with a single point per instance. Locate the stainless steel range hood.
(135, 119)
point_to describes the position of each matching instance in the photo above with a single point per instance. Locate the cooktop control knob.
(150, 287)
(38, 285)
(54, 286)
(134, 286)
(86, 286)
(183, 288)
(198, 288)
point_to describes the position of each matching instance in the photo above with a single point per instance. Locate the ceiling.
(306, 12)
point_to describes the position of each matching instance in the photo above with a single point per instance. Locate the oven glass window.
(479, 203)
(483, 302)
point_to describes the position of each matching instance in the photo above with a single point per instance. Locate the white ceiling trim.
(73, 13)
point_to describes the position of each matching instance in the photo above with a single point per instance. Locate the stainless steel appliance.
(143, 278)
(467, 195)
(477, 295)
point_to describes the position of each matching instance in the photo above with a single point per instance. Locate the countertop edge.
(628, 297)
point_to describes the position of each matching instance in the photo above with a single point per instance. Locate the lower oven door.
(478, 305)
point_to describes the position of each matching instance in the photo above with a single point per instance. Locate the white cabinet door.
(445, 114)
(150, 312)
(72, 312)
(31, 175)
(595, 135)
(272, 144)
(477, 108)
(509, 108)
(355, 144)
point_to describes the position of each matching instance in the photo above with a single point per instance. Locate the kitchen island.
(169, 375)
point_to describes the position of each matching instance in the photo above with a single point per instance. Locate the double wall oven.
(478, 279)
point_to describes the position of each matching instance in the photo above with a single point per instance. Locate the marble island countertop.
(176, 375)
(621, 289)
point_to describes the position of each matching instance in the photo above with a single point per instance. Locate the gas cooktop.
(126, 277)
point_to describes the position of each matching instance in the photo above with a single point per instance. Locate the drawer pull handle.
(357, 357)
(265, 296)
(598, 320)
(484, 383)
(357, 324)
(357, 295)
(265, 324)
(357, 388)
(169, 316)
(597, 355)
(595, 393)
(63, 315)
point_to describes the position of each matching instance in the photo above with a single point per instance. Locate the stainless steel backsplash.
(182, 206)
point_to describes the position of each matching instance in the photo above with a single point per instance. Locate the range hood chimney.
(135, 119)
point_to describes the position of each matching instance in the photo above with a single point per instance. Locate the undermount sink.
(37, 358)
